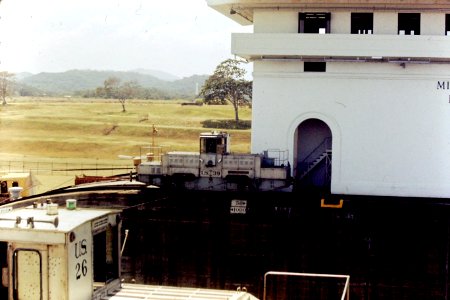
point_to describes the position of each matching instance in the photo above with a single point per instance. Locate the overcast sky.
(181, 37)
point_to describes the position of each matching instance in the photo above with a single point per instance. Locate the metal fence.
(64, 168)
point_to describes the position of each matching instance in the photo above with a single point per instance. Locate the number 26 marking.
(81, 269)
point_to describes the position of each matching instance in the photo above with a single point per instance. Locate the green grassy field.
(91, 130)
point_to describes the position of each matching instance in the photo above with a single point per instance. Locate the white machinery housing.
(215, 168)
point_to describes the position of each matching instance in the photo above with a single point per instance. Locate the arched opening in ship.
(313, 152)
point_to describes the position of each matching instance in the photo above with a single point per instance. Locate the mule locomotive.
(214, 167)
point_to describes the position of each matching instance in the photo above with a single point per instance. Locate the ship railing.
(152, 153)
(315, 153)
(345, 293)
(275, 158)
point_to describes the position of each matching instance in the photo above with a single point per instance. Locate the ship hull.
(393, 248)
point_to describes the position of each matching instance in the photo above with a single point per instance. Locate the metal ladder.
(317, 161)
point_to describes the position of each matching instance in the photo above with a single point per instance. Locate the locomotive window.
(106, 255)
(209, 145)
(4, 266)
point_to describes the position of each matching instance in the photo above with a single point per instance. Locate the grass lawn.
(92, 130)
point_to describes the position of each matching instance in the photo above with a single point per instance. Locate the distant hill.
(22, 75)
(157, 73)
(72, 81)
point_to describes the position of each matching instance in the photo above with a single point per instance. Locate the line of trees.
(114, 88)
(140, 93)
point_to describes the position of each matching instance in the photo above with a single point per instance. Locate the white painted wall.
(283, 45)
(390, 124)
(340, 22)
(286, 21)
(388, 130)
(432, 24)
(385, 23)
(269, 21)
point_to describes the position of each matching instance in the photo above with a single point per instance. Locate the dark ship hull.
(392, 248)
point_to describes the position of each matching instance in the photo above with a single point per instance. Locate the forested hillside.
(84, 82)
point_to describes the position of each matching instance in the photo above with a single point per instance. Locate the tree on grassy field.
(112, 89)
(6, 85)
(127, 90)
(228, 84)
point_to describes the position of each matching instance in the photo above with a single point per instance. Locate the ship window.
(409, 23)
(447, 24)
(362, 23)
(314, 66)
(314, 23)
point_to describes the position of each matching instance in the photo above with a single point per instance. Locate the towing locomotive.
(214, 167)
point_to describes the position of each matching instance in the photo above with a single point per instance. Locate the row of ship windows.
(362, 23)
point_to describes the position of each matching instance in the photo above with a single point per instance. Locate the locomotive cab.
(212, 146)
(215, 142)
(57, 253)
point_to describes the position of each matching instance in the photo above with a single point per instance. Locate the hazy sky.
(182, 37)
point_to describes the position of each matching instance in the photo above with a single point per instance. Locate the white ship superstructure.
(357, 91)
